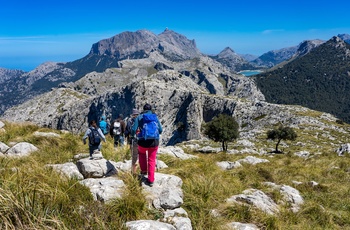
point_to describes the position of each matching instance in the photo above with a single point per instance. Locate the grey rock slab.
(175, 152)
(148, 225)
(46, 134)
(104, 189)
(256, 198)
(242, 226)
(21, 149)
(3, 147)
(69, 169)
(227, 165)
(166, 192)
(96, 168)
(252, 160)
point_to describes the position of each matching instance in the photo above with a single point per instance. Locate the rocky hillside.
(188, 92)
(318, 80)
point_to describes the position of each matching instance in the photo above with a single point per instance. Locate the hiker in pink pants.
(147, 129)
(147, 161)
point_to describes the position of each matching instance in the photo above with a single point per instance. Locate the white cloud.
(272, 31)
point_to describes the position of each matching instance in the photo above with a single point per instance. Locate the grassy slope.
(33, 196)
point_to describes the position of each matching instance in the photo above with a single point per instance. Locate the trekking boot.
(150, 184)
(141, 176)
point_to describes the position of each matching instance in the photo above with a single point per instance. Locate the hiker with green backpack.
(147, 129)
(95, 136)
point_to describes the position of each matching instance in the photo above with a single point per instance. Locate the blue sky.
(32, 32)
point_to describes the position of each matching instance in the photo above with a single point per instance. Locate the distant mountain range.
(19, 86)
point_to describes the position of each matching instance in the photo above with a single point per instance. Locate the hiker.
(103, 125)
(117, 130)
(95, 135)
(148, 128)
(132, 140)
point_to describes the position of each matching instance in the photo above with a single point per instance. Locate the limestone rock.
(252, 160)
(21, 149)
(148, 225)
(242, 226)
(91, 168)
(104, 189)
(3, 147)
(344, 148)
(166, 192)
(175, 152)
(69, 169)
(227, 165)
(46, 134)
(256, 198)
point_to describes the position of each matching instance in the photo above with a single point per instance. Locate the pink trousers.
(147, 161)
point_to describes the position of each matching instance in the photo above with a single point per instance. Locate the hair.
(147, 107)
(92, 122)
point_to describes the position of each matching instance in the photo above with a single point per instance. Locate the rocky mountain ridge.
(104, 54)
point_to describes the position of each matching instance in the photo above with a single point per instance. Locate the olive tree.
(222, 128)
(281, 133)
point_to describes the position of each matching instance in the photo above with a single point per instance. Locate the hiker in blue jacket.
(103, 125)
(147, 128)
(95, 135)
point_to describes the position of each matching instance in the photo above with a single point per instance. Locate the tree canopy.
(222, 128)
(281, 133)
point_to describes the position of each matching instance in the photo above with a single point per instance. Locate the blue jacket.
(138, 124)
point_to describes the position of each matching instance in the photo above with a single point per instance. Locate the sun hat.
(135, 112)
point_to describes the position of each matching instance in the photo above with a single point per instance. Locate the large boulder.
(21, 149)
(91, 168)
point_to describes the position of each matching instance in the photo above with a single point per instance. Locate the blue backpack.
(150, 128)
(94, 137)
(103, 126)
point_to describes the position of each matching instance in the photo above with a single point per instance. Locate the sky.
(36, 31)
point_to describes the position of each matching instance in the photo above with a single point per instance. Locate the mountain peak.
(227, 52)
(306, 46)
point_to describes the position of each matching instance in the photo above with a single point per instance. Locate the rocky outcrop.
(306, 46)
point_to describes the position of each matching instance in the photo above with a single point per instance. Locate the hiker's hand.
(84, 141)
